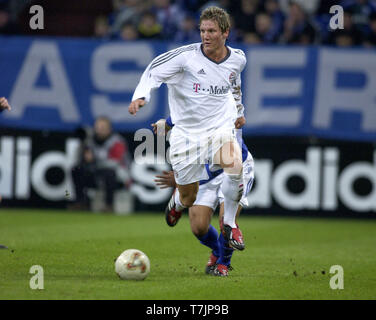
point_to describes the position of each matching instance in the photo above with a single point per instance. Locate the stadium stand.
(254, 21)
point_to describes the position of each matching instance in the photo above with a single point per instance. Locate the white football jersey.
(203, 95)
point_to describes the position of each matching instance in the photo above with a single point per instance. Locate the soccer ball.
(132, 264)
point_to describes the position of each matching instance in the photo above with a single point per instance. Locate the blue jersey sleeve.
(244, 151)
(169, 122)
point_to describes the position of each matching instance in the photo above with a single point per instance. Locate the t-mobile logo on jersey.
(216, 90)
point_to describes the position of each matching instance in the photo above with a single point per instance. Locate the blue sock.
(226, 251)
(210, 239)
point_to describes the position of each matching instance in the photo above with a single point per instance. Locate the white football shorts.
(189, 153)
(207, 194)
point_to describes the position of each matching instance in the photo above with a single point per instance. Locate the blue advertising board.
(62, 84)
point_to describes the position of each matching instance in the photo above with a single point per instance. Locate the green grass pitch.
(285, 258)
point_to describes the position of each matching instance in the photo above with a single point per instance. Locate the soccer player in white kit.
(208, 197)
(200, 79)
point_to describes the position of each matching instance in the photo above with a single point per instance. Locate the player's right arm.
(136, 105)
(166, 68)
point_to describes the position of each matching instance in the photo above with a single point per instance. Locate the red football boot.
(234, 237)
(211, 264)
(172, 215)
(220, 270)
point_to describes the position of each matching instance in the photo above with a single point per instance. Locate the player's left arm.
(237, 91)
(240, 122)
(237, 94)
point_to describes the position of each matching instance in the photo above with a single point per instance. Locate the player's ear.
(226, 33)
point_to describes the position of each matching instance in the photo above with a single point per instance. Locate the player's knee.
(235, 168)
(199, 229)
(188, 200)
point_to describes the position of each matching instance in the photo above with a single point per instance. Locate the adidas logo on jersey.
(201, 71)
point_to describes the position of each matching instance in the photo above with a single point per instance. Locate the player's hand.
(4, 105)
(239, 122)
(166, 180)
(136, 105)
(160, 128)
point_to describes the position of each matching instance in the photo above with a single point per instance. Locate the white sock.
(232, 188)
(178, 205)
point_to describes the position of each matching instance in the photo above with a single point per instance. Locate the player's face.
(211, 36)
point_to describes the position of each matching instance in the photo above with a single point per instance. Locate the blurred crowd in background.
(300, 22)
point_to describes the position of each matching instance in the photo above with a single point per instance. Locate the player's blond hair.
(217, 14)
